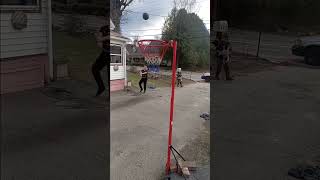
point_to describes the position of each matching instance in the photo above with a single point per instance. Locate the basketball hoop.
(153, 50)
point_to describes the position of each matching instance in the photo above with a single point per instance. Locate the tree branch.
(124, 4)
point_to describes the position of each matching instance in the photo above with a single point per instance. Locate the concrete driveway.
(266, 123)
(139, 129)
(60, 132)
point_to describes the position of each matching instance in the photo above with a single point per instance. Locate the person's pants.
(179, 84)
(144, 81)
(100, 63)
(220, 63)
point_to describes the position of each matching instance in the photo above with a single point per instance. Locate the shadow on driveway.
(55, 133)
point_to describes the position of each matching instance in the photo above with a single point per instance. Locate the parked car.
(206, 77)
(309, 48)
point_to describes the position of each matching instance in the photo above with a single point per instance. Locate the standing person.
(144, 78)
(227, 51)
(102, 38)
(179, 78)
(223, 49)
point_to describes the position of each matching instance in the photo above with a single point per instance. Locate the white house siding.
(24, 53)
(121, 73)
(116, 75)
(29, 41)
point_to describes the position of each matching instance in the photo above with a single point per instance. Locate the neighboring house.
(118, 72)
(25, 48)
(134, 55)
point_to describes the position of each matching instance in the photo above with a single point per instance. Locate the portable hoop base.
(151, 48)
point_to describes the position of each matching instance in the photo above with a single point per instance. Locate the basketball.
(145, 16)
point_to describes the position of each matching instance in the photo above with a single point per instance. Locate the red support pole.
(171, 105)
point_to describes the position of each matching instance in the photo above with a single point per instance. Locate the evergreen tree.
(192, 36)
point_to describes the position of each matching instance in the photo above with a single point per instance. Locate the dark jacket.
(144, 74)
(222, 45)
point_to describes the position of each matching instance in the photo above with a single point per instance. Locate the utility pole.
(213, 9)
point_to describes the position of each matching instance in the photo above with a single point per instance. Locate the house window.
(116, 54)
(13, 5)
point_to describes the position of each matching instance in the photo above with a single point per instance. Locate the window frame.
(25, 8)
(121, 55)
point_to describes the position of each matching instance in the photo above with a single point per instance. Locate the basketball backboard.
(220, 26)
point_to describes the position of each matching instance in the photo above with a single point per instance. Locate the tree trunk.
(116, 14)
(116, 19)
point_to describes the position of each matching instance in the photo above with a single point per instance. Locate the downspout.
(50, 49)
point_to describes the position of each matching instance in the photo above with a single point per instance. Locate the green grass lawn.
(80, 52)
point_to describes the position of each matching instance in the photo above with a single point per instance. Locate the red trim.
(24, 72)
(20, 57)
(117, 85)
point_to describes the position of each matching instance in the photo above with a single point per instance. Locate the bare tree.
(189, 5)
(117, 9)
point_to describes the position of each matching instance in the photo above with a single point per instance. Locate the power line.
(153, 30)
(151, 1)
(138, 12)
(160, 34)
(151, 5)
(152, 35)
(142, 29)
(148, 21)
(156, 2)
(188, 36)
(151, 9)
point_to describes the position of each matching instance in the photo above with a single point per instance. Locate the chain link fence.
(268, 46)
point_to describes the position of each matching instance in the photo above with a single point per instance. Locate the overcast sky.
(134, 24)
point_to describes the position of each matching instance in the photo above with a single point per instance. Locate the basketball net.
(153, 60)
(153, 50)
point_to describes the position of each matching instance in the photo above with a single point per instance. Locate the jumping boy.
(144, 79)
(102, 38)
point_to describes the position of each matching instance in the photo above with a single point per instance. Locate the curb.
(303, 65)
(292, 63)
